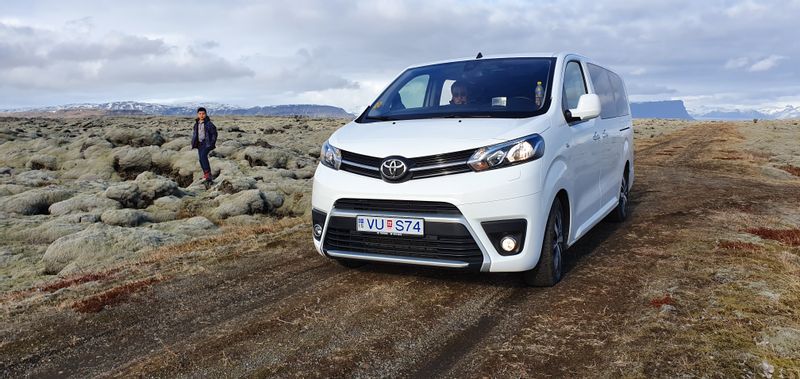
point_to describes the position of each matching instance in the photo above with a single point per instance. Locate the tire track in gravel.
(209, 295)
(576, 329)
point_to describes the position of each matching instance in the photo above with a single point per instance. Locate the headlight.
(508, 153)
(330, 156)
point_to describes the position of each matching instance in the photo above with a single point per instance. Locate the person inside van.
(459, 92)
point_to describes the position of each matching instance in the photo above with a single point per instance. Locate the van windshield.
(501, 87)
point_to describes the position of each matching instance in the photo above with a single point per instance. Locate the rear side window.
(574, 85)
(603, 89)
(609, 87)
(620, 97)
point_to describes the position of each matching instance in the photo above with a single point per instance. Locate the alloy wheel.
(623, 195)
(558, 243)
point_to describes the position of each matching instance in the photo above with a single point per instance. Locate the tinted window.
(603, 89)
(609, 86)
(574, 85)
(503, 87)
(620, 97)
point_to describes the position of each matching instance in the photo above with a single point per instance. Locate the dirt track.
(266, 304)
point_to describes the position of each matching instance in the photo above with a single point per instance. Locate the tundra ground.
(702, 280)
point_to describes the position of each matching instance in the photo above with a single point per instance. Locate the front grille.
(431, 160)
(388, 206)
(448, 241)
(421, 167)
(361, 159)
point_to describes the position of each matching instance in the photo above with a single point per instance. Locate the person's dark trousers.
(203, 152)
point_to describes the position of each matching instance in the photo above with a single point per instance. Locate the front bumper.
(502, 194)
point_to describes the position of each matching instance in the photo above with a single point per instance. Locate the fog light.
(508, 243)
(507, 236)
(317, 230)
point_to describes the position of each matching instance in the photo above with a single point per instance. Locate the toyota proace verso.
(493, 164)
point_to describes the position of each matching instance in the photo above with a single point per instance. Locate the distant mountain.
(673, 109)
(119, 108)
(786, 112)
(733, 115)
(773, 113)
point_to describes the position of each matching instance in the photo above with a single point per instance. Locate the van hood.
(416, 138)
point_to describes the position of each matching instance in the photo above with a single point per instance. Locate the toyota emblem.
(393, 169)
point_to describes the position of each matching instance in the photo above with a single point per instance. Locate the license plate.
(391, 225)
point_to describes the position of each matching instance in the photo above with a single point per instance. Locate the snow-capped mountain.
(189, 109)
(786, 112)
(765, 113)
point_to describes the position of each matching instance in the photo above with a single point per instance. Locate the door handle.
(596, 136)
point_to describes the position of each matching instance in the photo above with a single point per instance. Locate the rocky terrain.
(121, 265)
(80, 193)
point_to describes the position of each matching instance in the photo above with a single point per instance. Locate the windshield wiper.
(454, 115)
(379, 118)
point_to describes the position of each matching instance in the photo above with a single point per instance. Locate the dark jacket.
(210, 141)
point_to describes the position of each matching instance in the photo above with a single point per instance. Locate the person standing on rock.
(204, 139)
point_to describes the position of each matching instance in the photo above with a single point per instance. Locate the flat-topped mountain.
(672, 109)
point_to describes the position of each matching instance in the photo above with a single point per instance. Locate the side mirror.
(588, 107)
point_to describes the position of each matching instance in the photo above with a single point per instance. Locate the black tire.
(620, 213)
(349, 263)
(548, 271)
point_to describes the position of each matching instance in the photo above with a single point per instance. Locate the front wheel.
(548, 271)
(620, 213)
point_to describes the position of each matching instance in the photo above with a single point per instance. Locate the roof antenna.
(479, 55)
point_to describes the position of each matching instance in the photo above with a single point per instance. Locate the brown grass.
(76, 280)
(231, 235)
(657, 302)
(59, 284)
(790, 237)
(738, 245)
(116, 295)
(791, 169)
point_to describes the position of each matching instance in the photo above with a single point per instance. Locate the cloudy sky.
(711, 54)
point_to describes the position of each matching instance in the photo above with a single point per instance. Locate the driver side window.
(574, 85)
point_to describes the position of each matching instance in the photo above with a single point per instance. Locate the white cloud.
(33, 57)
(337, 52)
(737, 63)
(745, 8)
(636, 88)
(766, 63)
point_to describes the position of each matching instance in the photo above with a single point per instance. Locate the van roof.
(516, 55)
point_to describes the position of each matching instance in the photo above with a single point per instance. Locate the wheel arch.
(556, 183)
(628, 173)
(566, 208)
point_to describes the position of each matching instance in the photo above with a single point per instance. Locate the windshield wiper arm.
(455, 115)
(380, 118)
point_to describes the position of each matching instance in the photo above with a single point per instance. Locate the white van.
(493, 164)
